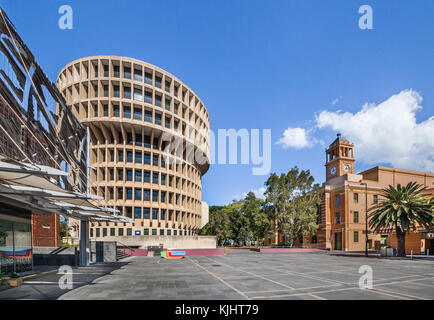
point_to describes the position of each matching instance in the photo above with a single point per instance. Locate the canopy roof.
(34, 188)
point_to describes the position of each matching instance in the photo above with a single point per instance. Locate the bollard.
(411, 254)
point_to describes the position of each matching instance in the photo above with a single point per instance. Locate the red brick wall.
(45, 230)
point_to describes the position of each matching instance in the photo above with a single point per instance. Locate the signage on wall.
(137, 233)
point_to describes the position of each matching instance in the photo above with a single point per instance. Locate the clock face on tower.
(333, 170)
(346, 167)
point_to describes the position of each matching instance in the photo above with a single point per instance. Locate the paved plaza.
(252, 275)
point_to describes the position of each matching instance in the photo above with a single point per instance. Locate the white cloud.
(295, 138)
(259, 193)
(387, 132)
(334, 102)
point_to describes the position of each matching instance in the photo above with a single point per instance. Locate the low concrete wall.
(53, 256)
(169, 242)
(188, 252)
(268, 250)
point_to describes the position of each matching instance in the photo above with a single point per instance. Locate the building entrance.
(338, 241)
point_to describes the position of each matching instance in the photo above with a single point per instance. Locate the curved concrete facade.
(149, 143)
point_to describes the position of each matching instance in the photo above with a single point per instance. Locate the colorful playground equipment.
(172, 254)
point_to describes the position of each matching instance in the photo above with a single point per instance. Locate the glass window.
(158, 100)
(167, 122)
(155, 143)
(116, 111)
(147, 158)
(138, 94)
(163, 162)
(146, 176)
(175, 232)
(112, 174)
(95, 90)
(138, 175)
(127, 72)
(146, 195)
(175, 108)
(106, 91)
(163, 196)
(356, 236)
(155, 213)
(129, 194)
(138, 75)
(356, 216)
(148, 116)
(127, 112)
(120, 194)
(138, 156)
(337, 201)
(137, 114)
(120, 231)
(129, 232)
(337, 218)
(129, 138)
(167, 85)
(91, 232)
(147, 141)
(95, 68)
(161, 232)
(116, 71)
(97, 232)
(155, 196)
(148, 78)
(163, 179)
(146, 232)
(158, 81)
(112, 232)
(137, 213)
(146, 212)
(356, 197)
(375, 199)
(154, 232)
(168, 232)
(137, 194)
(121, 155)
(167, 103)
(129, 212)
(155, 178)
(127, 92)
(120, 174)
(155, 160)
(104, 232)
(105, 108)
(129, 156)
(148, 97)
(129, 175)
(139, 142)
(116, 91)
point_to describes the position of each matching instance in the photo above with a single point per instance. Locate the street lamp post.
(366, 217)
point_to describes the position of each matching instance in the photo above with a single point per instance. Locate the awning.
(28, 186)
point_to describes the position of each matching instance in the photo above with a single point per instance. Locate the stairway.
(120, 254)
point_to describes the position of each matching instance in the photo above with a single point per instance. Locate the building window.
(154, 213)
(138, 75)
(112, 232)
(120, 174)
(337, 218)
(337, 201)
(116, 71)
(138, 175)
(167, 86)
(163, 179)
(158, 100)
(158, 119)
(154, 232)
(155, 160)
(97, 233)
(116, 92)
(91, 232)
(106, 70)
(121, 155)
(129, 138)
(162, 214)
(127, 72)
(127, 112)
(137, 194)
(163, 196)
(146, 232)
(175, 232)
(155, 196)
(356, 236)
(120, 194)
(129, 212)
(147, 158)
(375, 199)
(148, 78)
(138, 94)
(127, 92)
(148, 116)
(167, 104)
(175, 91)
(356, 197)
(146, 212)
(121, 231)
(148, 97)
(161, 232)
(167, 122)
(158, 82)
(95, 91)
(104, 232)
(129, 232)
(139, 142)
(147, 141)
(137, 114)
(155, 178)
(116, 111)
(129, 194)
(138, 156)
(146, 176)
(129, 156)
(137, 213)
(146, 195)
(356, 216)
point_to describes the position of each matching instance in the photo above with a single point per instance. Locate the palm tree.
(400, 209)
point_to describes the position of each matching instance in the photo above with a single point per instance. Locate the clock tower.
(339, 158)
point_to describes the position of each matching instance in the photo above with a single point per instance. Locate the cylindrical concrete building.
(135, 112)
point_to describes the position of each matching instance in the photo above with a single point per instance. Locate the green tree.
(64, 229)
(401, 209)
(293, 199)
(260, 223)
(218, 224)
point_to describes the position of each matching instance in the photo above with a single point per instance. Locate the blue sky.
(267, 64)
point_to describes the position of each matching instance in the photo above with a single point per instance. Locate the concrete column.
(84, 243)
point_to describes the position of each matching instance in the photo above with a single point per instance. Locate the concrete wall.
(169, 242)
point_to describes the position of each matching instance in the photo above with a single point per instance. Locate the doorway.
(338, 241)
